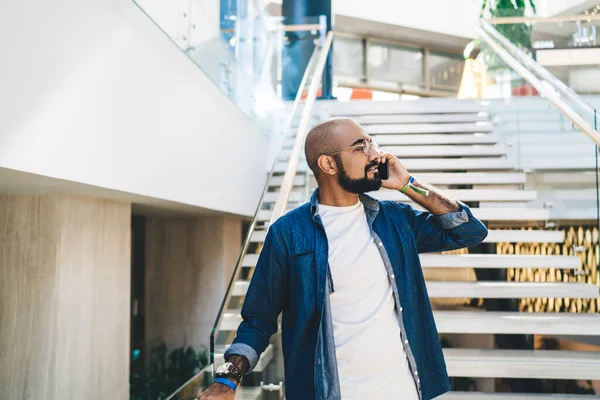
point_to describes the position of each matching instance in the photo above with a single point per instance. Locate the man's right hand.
(217, 391)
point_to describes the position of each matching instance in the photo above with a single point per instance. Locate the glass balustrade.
(550, 132)
(241, 48)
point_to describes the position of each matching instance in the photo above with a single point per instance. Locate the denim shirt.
(292, 276)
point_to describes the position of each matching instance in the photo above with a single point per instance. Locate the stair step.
(422, 106)
(457, 164)
(263, 361)
(436, 139)
(421, 118)
(249, 393)
(524, 236)
(494, 236)
(276, 181)
(535, 364)
(479, 261)
(495, 195)
(427, 164)
(499, 261)
(448, 178)
(490, 290)
(473, 178)
(484, 214)
(295, 197)
(404, 151)
(465, 195)
(510, 290)
(511, 214)
(399, 129)
(513, 396)
(490, 322)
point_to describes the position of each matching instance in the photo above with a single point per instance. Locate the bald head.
(325, 137)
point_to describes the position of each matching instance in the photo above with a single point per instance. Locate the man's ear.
(327, 165)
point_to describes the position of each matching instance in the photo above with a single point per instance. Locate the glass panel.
(349, 57)
(568, 50)
(239, 50)
(545, 137)
(390, 62)
(445, 70)
(192, 388)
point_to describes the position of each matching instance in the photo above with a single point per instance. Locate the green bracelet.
(410, 185)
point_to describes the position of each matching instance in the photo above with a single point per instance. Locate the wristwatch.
(228, 370)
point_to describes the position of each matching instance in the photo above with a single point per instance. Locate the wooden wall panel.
(64, 297)
(188, 265)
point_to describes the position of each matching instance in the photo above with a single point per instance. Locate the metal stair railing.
(290, 172)
(317, 61)
(549, 86)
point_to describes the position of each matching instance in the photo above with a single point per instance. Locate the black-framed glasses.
(365, 145)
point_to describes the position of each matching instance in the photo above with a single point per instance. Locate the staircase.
(451, 144)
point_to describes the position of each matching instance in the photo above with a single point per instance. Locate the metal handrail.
(548, 88)
(248, 238)
(534, 66)
(290, 172)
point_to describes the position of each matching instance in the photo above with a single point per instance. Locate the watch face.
(223, 368)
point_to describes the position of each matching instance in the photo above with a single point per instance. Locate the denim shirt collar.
(371, 207)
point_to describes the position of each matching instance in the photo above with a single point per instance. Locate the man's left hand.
(399, 176)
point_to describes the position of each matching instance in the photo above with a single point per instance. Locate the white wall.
(455, 17)
(548, 8)
(93, 92)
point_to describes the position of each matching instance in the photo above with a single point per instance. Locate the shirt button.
(400, 309)
(405, 341)
(416, 373)
(418, 381)
(380, 244)
(393, 276)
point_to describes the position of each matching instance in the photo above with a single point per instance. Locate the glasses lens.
(366, 147)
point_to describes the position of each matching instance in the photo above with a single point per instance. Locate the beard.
(357, 185)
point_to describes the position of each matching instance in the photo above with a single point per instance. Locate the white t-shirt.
(368, 344)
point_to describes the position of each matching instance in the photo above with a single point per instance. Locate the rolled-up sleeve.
(453, 219)
(445, 232)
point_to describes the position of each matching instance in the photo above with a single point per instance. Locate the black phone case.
(384, 172)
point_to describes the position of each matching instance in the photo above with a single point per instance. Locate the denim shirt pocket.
(303, 280)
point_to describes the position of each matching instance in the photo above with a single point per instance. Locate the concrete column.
(64, 297)
(189, 262)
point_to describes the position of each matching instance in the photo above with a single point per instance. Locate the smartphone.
(384, 172)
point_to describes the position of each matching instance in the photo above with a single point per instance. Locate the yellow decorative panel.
(579, 240)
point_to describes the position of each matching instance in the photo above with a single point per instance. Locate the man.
(344, 269)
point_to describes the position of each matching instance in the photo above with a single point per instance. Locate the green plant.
(519, 34)
(166, 372)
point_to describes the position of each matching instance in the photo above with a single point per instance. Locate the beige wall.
(64, 297)
(188, 265)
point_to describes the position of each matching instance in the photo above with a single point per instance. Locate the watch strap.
(227, 382)
(232, 371)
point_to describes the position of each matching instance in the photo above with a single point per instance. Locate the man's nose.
(374, 154)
